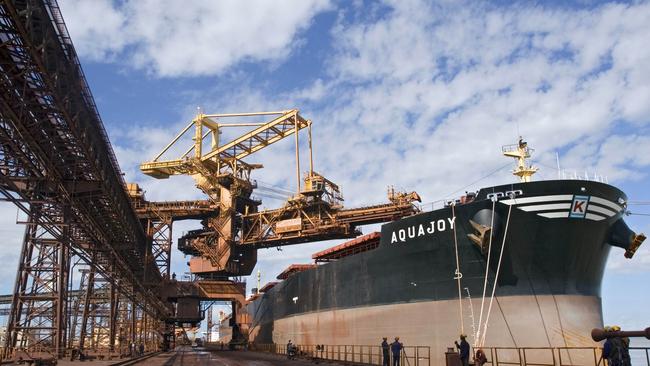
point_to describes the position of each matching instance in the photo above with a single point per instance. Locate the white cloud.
(423, 100)
(421, 97)
(639, 263)
(175, 38)
(424, 96)
(140, 144)
(559, 76)
(96, 27)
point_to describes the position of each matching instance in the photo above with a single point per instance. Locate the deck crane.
(227, 243)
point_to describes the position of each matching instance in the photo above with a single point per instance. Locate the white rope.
(487, 271)
(496, 276)
(458, 275)
(471, 314)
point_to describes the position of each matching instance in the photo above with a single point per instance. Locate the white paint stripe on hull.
(604, 202)
(554, 215)
(517, 201)
(552, 206)
(602, 210)
(595, 212)
(594, 217)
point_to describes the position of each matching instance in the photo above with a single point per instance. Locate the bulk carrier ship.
(544, 244)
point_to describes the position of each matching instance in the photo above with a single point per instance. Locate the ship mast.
(520, 152)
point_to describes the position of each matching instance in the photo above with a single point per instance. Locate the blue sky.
(417, 94)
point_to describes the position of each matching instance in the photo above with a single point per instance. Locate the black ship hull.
(556, 237)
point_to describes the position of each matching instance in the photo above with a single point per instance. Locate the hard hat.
(616, 328)
(607, 328)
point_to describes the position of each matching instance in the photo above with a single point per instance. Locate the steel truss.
(99, 314)
(38, 316)
(57, 166)
(160, 232)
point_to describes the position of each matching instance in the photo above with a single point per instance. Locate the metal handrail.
(557, 356)
(497, 356)
(352, 354)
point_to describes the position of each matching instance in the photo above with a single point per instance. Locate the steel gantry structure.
(94, 266)
(228, 242)
(58, 167)
(158, 217)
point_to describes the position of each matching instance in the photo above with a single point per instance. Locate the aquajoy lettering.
(416, 231)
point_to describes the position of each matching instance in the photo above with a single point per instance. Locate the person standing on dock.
(616, 349)
(396, 348)
(624, 347)
(291, 350)
(463, 347)
(480, 359)
(384, 350)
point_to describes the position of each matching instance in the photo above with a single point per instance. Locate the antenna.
(518, 133)
(559, 171)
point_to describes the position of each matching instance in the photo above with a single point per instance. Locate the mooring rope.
(496, 276)
(458, 275)
(487, 271)
(471, 314)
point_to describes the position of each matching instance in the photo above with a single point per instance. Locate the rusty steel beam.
(39, 303)
(57, 166)
(176, 210)
(316, 222)
(29, 112)
(50, 85)
(160, 233)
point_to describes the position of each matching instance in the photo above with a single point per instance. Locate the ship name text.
(416, 231)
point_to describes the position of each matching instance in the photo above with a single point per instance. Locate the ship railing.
(434, 205)
(578, 175)
(351, 354)
(558, 356)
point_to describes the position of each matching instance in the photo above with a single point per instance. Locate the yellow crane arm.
(285, 125)
(230, 154)
(163, 169)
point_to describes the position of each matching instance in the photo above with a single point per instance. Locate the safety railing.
(638, 354)
(558, 356)
(352, 354)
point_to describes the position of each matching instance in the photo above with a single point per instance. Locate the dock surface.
(187, 356)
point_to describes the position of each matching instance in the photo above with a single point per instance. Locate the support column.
(63, 249)
(37, 322)
(134, 324)
(113, 320)
(159, 231)
(77, 308)
(85, 313)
